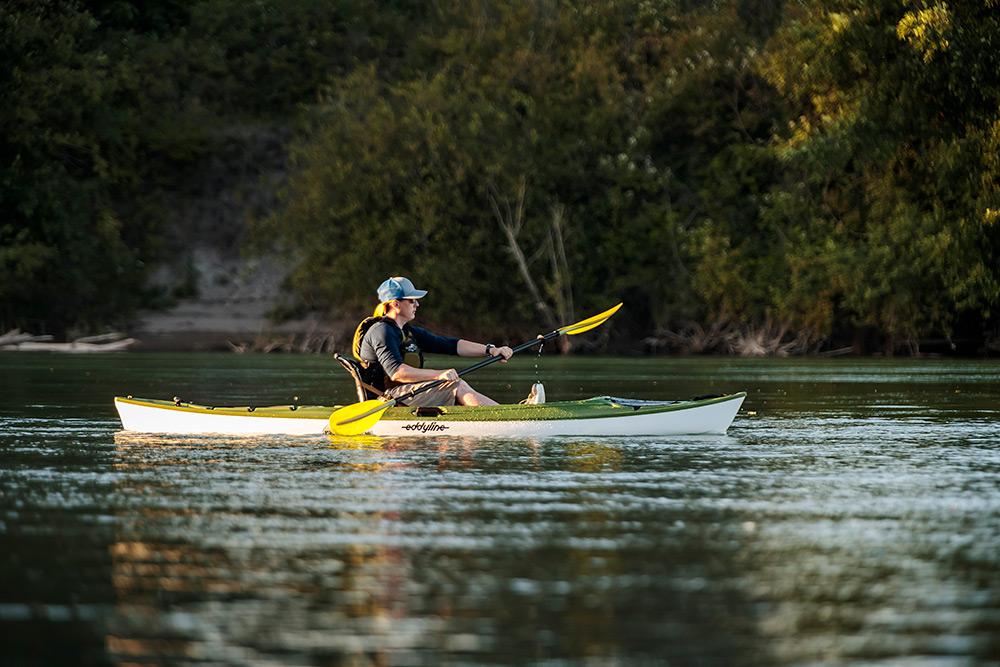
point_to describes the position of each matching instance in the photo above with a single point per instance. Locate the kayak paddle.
(357, 418)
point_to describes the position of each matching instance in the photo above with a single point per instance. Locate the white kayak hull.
(155, 419)
(709, 416)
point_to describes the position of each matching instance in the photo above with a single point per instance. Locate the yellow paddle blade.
(590, 322)
(358, 418)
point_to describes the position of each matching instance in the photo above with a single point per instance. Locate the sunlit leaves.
(926, 30)
(892, 136)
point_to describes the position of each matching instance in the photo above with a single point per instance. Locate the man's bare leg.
(466, 395)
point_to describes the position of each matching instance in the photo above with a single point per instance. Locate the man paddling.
(391, 351)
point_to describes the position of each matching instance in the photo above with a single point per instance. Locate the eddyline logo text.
(425, 427)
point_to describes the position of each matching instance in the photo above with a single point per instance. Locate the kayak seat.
(366, 392)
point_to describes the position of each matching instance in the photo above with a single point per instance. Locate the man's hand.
(504, 351)
(450, 374)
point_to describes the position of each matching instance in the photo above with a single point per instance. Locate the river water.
(850, 516)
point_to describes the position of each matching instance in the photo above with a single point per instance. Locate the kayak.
(598, 416)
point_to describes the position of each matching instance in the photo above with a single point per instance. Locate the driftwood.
(101, 338)
(15, 336)
(74, 347)
(309, 342)
(15, 341)
(768, 339)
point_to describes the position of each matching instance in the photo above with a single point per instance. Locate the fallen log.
(76, 347)
(15, 336)
(101, 338)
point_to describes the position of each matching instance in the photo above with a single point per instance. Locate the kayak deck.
(601, 415)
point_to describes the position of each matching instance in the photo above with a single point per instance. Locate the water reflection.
(593, 456)
(854, 519)
(236, 569)
(411, 547)
(356, 442)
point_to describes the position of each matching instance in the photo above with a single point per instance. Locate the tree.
(891, 160)
(520, 157)
(66, 256)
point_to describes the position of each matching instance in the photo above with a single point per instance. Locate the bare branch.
(564, 280)
(511, 227)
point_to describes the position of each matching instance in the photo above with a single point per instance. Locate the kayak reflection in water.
(391, 351)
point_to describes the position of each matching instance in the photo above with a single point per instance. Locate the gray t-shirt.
(383, 344)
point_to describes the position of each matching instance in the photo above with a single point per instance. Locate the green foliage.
(66, 134)
(812, 168)
(891, 146)
(400, 174)
(108, 106)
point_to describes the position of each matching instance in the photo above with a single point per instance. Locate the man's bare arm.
(406, 374)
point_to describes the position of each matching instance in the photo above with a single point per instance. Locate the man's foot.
(536, 396)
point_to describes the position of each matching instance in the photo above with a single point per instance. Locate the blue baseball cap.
(399, 287)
